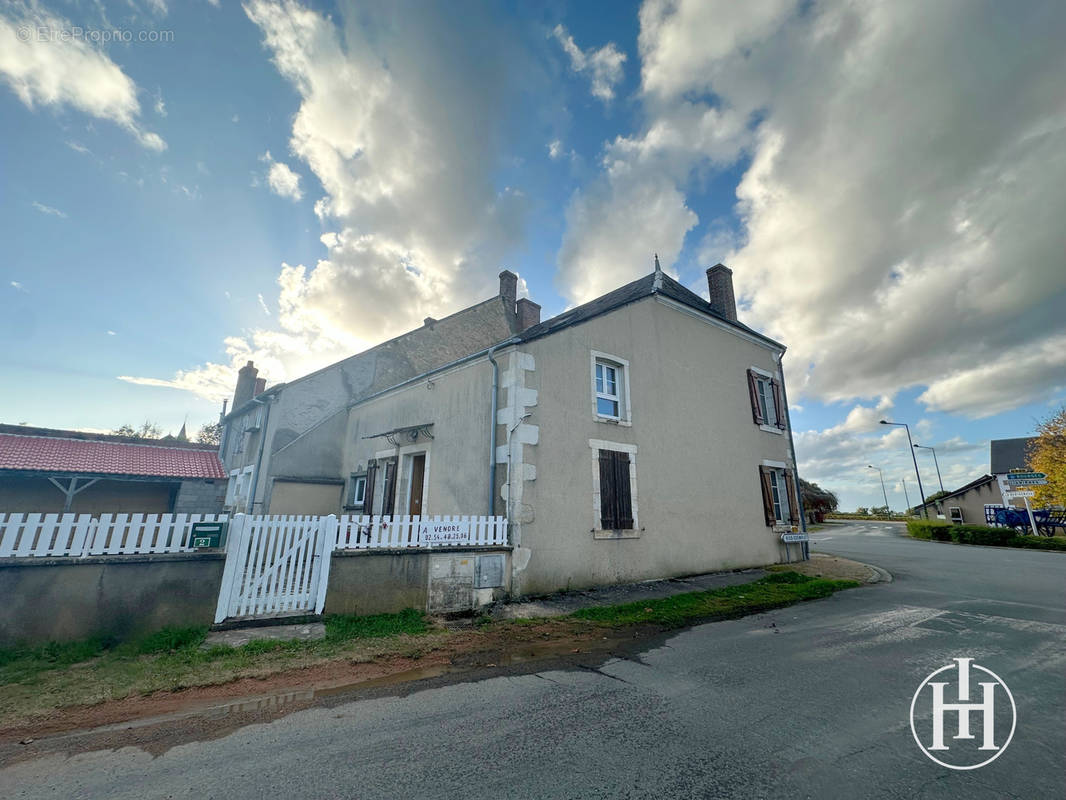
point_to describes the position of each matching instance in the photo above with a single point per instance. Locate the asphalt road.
(810, 701)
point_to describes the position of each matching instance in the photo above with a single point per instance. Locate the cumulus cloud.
(59, 72)
(604, 67)
(898, 211)
(281, 179)
(398, 119)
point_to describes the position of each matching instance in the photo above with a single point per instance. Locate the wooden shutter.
(793, 498)
(388, 502)
(753, 392)
(368, 492)
(779, 409)
(608, 491)
(767, 496)
(616, 498)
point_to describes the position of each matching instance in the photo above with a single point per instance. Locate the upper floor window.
(610, 389)
(767, 409)
(357, 490)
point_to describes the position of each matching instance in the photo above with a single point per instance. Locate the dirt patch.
(821, 565)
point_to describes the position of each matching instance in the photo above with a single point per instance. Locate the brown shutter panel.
(793, 498)
(779, 410)
(608, 494)
(767, 496)
(368, 492)
(389, 502)
(622, 491)
(753, 392)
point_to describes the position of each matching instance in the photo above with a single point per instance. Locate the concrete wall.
(383, 582)
(63, 599)
(200, 497)
(301, 497)
(697, 452)
(104, 496)
(972, 503)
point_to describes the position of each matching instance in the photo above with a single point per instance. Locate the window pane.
(776, 493)
(599, 377)
(606, 408)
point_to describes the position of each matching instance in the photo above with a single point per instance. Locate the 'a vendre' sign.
(443, 532)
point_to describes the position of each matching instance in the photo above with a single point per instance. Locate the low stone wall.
(439, 580)
(63, 599)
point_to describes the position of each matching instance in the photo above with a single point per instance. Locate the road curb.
(880, 575)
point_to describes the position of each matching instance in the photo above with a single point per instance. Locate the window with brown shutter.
(616, 500)
(753, 391)
(767, 495)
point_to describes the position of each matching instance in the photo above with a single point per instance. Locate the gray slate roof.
(1008, 454)
(630, 293)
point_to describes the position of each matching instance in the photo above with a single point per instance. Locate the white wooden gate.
(276, 566)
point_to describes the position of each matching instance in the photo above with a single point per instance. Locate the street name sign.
(794, 537)
(1019, 494)
(1025, 476)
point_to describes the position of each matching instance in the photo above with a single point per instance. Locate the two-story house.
(640, 435)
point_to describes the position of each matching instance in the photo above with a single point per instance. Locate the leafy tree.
(862, 510)
(881, 511)
(815, 498)
(210, 433)
(149, 430)
(1048, 454)
(937, 495)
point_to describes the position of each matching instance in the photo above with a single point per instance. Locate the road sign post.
(1017, 483)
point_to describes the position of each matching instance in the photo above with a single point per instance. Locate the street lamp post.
(933, 451)
(914, 458)
(906, 496)
(883, 492)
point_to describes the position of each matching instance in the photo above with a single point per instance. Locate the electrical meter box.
(207, 534)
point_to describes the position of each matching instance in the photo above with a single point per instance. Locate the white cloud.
(281, 179)
(401, 131)
(49, 210)
(77, 147)
(111, 333)
(604, 66)
(159, 106)
(555, 149)
(263, 305)
(58, 72)
(899, 212)
(18, 287)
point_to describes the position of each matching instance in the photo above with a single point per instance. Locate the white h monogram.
(963, 708)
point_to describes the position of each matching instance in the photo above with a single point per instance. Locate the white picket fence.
(82, 535)
(388, 532)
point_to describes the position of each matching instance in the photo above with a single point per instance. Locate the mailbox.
(207, 534)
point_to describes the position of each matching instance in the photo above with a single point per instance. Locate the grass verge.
(774, 591)
(34, 682)
(934, 530)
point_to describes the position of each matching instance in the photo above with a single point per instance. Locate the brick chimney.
(720, 286)
(528, 313)
(260, 386)
(508, 289)
(246, 379)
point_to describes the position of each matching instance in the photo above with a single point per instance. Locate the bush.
(979, 534)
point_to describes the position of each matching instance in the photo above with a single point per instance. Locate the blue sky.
(292, 182)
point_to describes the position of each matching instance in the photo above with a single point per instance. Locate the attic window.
(610, 389)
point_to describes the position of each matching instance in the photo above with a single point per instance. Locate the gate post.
(235, 545)
(325, 541)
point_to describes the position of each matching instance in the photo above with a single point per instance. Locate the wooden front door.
(418, 472)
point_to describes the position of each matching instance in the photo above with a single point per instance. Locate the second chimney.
(528, 313)
(720, 287)
(246, 379)
(508, 288)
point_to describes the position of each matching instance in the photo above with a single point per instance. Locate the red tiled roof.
(53, 454)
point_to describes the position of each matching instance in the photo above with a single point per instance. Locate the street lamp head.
(870, 466)
(885, 422)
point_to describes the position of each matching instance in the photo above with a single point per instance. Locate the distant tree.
(1048, 454)
(881, 511)
(936, 496)
(862, 510)
(815, 498)
(211, 433)
(148, 430)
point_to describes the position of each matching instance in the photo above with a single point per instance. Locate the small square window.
(357, 492)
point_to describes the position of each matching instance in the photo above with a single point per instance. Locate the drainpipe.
(259, 460)
(492, 429)
(795, 466)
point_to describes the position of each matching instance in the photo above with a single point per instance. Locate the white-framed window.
(357, 490)
(767, 411)
(780, 503)
(610, 389)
